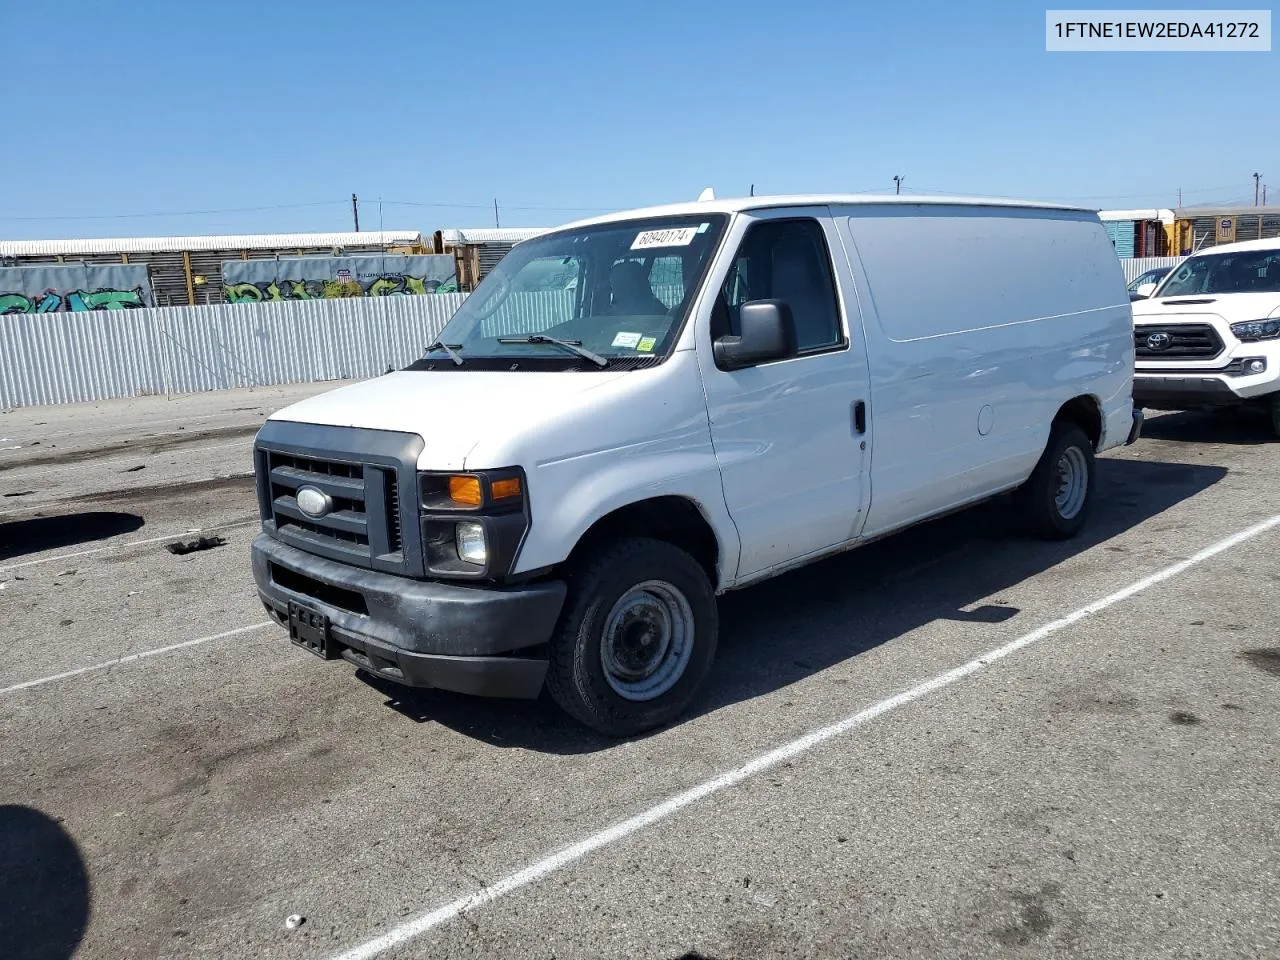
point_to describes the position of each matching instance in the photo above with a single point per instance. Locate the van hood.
(451, 411)
(1232, 307)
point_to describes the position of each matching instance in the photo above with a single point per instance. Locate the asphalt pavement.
(956, 742)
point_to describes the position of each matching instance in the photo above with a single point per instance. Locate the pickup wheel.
(1054, 502)
(636, 639)
(1275, 413)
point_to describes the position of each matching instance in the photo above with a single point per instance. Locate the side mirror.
(768, 333)
(1144, 290)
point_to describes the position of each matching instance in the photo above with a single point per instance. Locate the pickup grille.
(1183, 341)
(364, 522)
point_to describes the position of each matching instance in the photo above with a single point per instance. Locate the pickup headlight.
(472, 523)
(1256, 330)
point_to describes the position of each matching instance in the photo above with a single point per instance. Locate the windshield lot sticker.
(626, 339)
(646, 345)
(671, 237)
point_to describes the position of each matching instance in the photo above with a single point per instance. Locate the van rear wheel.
(637, 637)
(1054, 502)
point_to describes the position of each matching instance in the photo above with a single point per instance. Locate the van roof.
(1266, 243)
(740, 204)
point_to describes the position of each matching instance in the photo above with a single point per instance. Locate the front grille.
(364, 522)
(394, 535)
(1182, 341)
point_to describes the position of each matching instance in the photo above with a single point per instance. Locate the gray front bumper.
(1182, 392)
(421, 633)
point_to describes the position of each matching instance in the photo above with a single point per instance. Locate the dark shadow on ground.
(21, 537)
(1237, 426)
(44, 887)
(796, 625)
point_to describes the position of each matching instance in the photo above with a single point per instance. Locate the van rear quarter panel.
(980, 323)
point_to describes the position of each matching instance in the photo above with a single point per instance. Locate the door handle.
(859, 416)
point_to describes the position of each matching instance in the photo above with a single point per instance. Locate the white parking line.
(106, 665)
(620, 831)
(124, 546)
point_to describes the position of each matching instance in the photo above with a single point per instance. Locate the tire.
(1044, 507)
(1275, 414)
(646, 592)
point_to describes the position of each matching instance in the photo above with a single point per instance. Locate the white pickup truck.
(634, 414)
(1209, 335)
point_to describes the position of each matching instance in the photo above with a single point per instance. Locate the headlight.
(472, 523)
(471, 543)
(495, 490)
(1256, 330)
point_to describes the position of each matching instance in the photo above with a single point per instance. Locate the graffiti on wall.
(332, 278)
(383, 286)
(74, 301)
(73, 288)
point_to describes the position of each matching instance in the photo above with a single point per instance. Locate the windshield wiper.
(574, 346)
(449, 348)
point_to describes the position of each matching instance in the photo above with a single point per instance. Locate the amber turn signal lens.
(506, 489)
(465, 491)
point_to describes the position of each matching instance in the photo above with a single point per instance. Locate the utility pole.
(496, 224)
(1256, 178)
(1264, 194)
(897, 184)
(1179, 196)
(355, 211)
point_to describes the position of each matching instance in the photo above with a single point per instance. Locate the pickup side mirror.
(1143, 291)
(768, 332)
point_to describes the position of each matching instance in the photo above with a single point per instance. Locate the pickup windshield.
(1250, 271)
(618, 291)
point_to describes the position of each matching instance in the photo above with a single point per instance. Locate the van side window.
(784, 260)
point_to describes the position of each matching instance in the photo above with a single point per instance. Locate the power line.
(1091, 196)
(489, 206)
(178, 213)
(288, 206)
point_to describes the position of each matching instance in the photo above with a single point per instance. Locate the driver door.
(791, 436)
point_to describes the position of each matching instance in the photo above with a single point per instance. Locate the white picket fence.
(77, 357)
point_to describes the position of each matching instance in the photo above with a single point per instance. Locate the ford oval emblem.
(1159, 341)
(314, 503)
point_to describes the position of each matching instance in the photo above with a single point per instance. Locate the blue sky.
(562, 109)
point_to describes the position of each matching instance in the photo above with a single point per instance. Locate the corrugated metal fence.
(99, 355)
(74, 357)
(1135, 267)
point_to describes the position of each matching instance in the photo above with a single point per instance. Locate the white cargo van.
(636, 413)
(1210, 333)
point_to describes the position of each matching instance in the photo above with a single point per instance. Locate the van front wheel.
(1054, 502)
(637, 637)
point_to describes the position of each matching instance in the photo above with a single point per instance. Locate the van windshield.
(1251, 271)
(618, 291)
